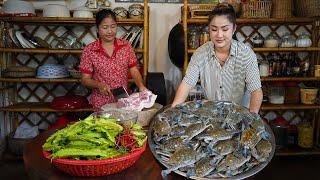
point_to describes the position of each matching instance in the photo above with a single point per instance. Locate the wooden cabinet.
(292, 25)
(30, 95)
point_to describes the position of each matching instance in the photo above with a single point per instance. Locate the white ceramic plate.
(23, 42)
(13, 37)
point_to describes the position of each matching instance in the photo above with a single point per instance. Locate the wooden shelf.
(39, 107)
(243, 21)
(44, 80)
(65, 20)
(40, 80)
(296, 151)
(268, 106)
(266, 79)
(50, 51)
(294, 49)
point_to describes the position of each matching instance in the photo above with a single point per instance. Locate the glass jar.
(271, 41)
(305, 135)
(276, 93)
(193, 39)
(264, 68)
(204, 36)
(288, 40)
(303, 40)
(257, 41)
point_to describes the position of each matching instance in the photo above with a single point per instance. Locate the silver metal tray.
(243, 175)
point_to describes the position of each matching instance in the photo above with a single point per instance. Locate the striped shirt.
(228, 82)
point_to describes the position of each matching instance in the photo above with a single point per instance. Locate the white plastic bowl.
(56, 10)
(82, 14)
(18, 7)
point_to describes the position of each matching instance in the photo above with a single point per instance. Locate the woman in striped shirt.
(227, 68)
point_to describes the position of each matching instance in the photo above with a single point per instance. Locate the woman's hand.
(104, 89)
(143, 88)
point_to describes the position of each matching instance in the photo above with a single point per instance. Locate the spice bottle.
(295, 67)
(270, 60)
(289, 65)
(305, 67)
(305, 135)
(277, 66)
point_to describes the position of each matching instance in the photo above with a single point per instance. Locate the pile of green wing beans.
(90, 139)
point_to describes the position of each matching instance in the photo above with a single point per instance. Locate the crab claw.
(265, 135)
(164, 173)
(190, 172)
(198, 104)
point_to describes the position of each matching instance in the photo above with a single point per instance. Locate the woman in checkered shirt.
(227, 68)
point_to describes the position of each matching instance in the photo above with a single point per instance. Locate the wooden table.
(39, 167)
(145, 168)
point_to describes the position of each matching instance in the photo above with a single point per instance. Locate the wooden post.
(145, 40)
(185, 30)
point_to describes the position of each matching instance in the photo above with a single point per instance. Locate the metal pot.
(176, 45)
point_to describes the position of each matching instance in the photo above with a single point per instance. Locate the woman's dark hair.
(223, 9)
(103, 14)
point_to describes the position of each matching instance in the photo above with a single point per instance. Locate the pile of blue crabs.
(210, 139)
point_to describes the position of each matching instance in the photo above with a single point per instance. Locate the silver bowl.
(243, 175)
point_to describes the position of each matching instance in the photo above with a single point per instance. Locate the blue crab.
(223, 148)
(202, 168)
(187, 120)
(231, 164)
(213, 136)
(249, 139)
(232, 120)
(161, 128)
(262, 150)
(172, 144)
(181, 158)
(195, 129)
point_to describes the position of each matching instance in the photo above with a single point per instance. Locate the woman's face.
(221, 31)
(107, 29)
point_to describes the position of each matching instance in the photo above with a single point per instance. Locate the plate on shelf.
(12, 34)
(23, 42)
(42, 43)
(31, 41)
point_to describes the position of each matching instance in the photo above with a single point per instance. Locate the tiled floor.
(282, 168)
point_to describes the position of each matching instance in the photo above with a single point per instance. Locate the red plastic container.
(92, 168)
(69, 102)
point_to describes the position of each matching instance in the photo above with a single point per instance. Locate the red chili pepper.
(126, 140)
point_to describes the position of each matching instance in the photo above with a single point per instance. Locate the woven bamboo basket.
(200, 10)
(282, 8)
(307, 8)
(19, 71)
(257, 9)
